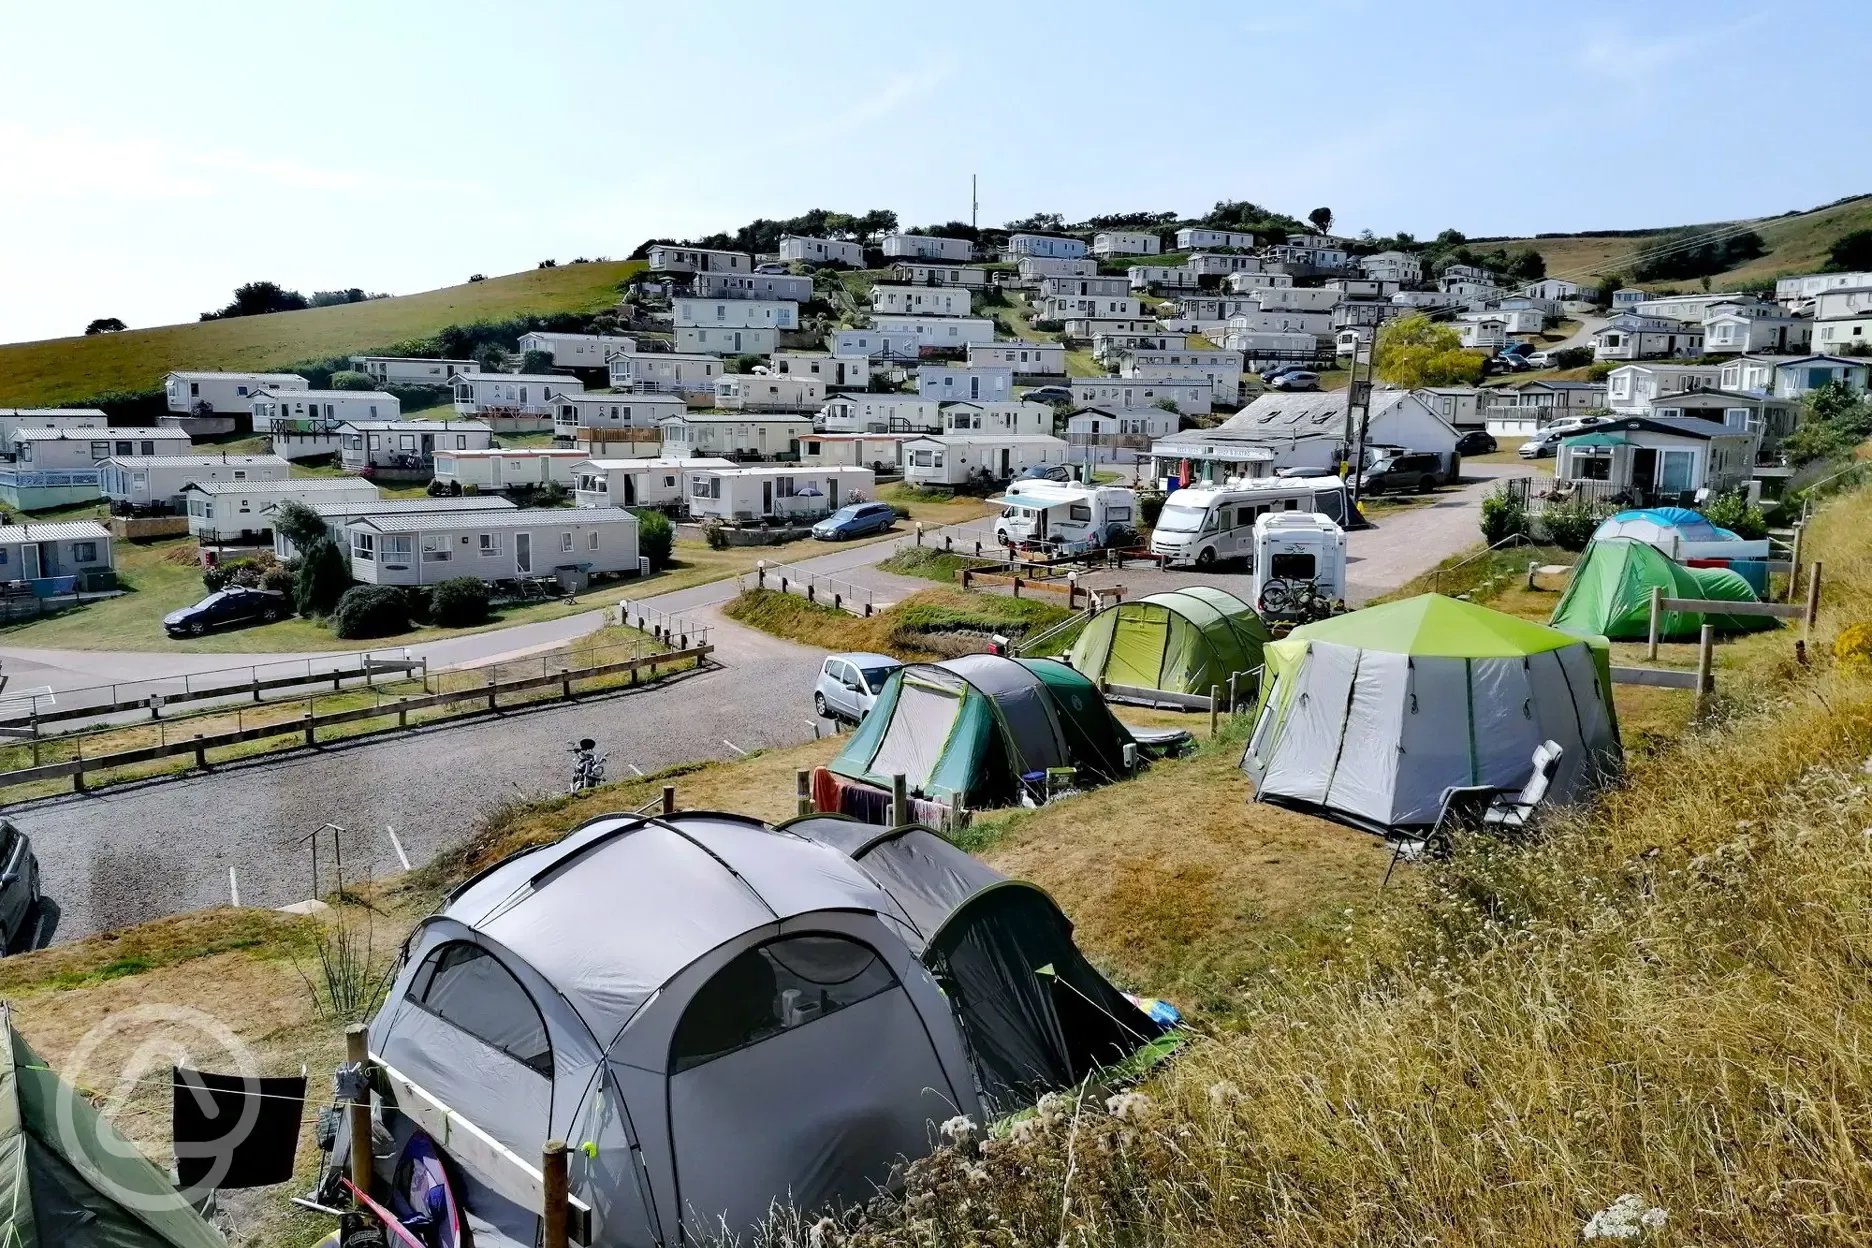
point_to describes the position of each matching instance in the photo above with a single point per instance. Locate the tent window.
(465, 985)
(784, 984)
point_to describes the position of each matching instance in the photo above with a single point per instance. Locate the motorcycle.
(588, 766)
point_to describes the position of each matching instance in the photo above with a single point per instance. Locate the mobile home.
(337, 515)
(242, 511)
(44, 554)
(50, 450)
(1126, 243)
(708, 340)
(1066, 307)
(398, 370)
(734, 435)
(1220, 264)
(821, 250)
(654, 482)
(921, 300)
(670, 258)
(785, 286)
(666, 372)
(1069, 287)
(421, 548)
(786, 492)
(964, 458)
(1016, 417)
(926, 247)
(576, 350)
(1051, 246)
(925, 273)
(1164, 277)
(1024, 359)
(894, 345)
(939, 332)
(769, 392)
(507, 467)
(1035, 268)
(580, 417)
(223, 394)
(1090, 327)
(735, 314)
(520, 401)
(406, 446)
(1197, 239)
(1191, 395)
(157, 481)
(13, 419)
(880, 452)
(838, 372)
(303, 424)
(880, 413)
(1222, 369)
(977, 385)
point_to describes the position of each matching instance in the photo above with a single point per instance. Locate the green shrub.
(1734, 512)
(250, 571)
(298, 524)
(1601, 370)
(280, 577)
(349, 379)
(1570, 525)
(1572, 357)
(1150, 506)
(371, 611)
(1504, 515)
(715, 533)
(656, 538)
(553, 494)
(323, 577)
(459, 602)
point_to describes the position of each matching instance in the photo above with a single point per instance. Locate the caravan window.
(1293, 566)
(466, 986)
(784, 984)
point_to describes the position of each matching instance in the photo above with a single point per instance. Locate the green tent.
(971, 728)
(1609, 594)
(71, 1180)
(1181, 641)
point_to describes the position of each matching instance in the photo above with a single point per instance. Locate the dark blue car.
(855, 520)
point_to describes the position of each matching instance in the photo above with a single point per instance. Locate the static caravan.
(421, 548)
(1090, 327)
(520, 401)
(242, 511)
(407, 446)
(1270, 346)
(769, 392)
(942, 333)
(49, 450)
(707, 340)
(734, 435)
(880, 452)
(926, 247)
(1096, 426)
(838, 372)
(898, 345)
(1037, 268)
(959, 459)
(577, 350)
(303, 424)
(223, 394)
(157, 481)
(634, 482)
(1069, 287)
(1191, 395)
(921, 300)
(1488, 333)
(1196, 239)
(1319, 324)
(735, 314)
(1164, 277)
(580, 417)
(1221, 264)
(785, 286)
(1106, 348)
(821, 251)
(1024, 359)
(1298, 299)
(45, 554)
(880, 413)
(338, 515)
(975, 385)
(666, 372)
(13, 419)
(1126, 243)
(1050, 246)
(1222, 369)
(784, 492)
(1068, 307)
(1016, 417)
(507, 467)
(1248, 283)
(397, 370)
(669, 258)
(924, 273)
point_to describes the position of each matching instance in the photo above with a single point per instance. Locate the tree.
(1851, 252)
(1837, 419)
(1321, 219)
(536, 362)
(105, 325)
(1687, 257)
(258, 299)
(492, 357)
(324, 576)
(350, 379)
(1415, 351)
(301, 526)
(1525, 264)
(656, 538)
(1050, 222)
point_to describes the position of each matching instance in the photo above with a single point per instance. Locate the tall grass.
(1666, 997)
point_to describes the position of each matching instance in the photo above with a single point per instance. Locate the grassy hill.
(61, 370)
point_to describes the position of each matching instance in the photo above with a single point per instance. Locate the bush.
(553, 494)
(371, 611)
(1570, 525)
(280, 577)
(1734, 512)
(1854, 644)
(656, 538)
(298, 524)
(1150, 506)
(536, 362)
(348, 379)
(323, 577)
(459, 602)
(1504, 515)
(1572, 357)
(715, 533)
(1601, 370)
(250, 572)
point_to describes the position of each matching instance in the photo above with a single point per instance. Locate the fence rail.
(859, 600)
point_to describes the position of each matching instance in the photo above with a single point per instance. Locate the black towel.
(232, 1131)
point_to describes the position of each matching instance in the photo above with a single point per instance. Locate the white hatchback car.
(850, 683)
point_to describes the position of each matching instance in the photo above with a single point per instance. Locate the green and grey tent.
(972, 728)
(1369, 717)
(69, 1180)
(1183, 641)
(1609, 594)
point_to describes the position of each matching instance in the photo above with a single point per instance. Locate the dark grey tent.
(1034, 1013)
(716, 1014)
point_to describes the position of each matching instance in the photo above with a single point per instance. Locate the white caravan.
(1066, 517)
(1296, 552)
(1203, 524)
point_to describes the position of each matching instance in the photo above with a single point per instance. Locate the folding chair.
(1484, 807)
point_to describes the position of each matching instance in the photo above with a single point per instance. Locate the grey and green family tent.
(68, 1179)
(1609, 595)
(1185, 641)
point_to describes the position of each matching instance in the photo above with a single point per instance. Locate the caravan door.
(523, 553)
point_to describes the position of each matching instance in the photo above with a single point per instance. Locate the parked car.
(1545, 444)
(1045, 472)
(234, 605)
(1476, 442)
(1048, 394)
(850, 683)
(855, 520)
(1299, 379)
(771, 267)
(1542, 359)
(1414, 470)
(1281, 370)
(1512, 362)
(19, 884)
(1518, 348)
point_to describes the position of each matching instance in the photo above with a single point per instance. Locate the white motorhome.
(1201, 525)
(1066, 517)
(1297, 555)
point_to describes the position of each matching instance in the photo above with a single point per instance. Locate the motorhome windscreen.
(1181, 519)
(1295, 566)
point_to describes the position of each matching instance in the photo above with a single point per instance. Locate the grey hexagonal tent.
(716, 1014)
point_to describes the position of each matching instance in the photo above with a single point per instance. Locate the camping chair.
(1483, 806)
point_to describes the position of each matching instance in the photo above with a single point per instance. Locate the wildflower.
(820, 1234)
(1628, 1217)
(1128, 1105)
(1222, 1093)
(959, 1128)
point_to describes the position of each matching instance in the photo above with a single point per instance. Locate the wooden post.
(1656, 610)
(492, 690)
(201, 754)
(802, 786)
(900, 801)
(1706, 660)
(555, 1194)
(565, 685)
(1533, 566)
(1813, 603)
(1017, 585)
(255, 688)
(1232, 702)
(402, 713)
(311, 732)
(669, 799)
(1793, 581)
(357, 1053)
(1215, 704)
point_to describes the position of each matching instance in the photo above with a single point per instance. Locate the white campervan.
(1202, 524)
(1066, 517)
(1299, 565)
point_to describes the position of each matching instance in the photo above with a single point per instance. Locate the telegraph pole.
(1358, 394)
(974, 200)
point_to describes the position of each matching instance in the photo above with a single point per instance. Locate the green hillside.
(62, 370)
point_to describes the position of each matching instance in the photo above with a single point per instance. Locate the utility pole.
(1358, 394)
(974, 200)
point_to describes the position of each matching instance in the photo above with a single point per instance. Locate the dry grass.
(930, 624)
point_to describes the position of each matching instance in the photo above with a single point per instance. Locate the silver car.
(850, 683)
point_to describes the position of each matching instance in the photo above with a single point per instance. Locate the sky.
(154, 156)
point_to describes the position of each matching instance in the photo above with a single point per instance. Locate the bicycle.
(1297, 601)
(588, 766)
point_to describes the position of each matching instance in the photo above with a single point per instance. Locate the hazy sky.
(155, 155)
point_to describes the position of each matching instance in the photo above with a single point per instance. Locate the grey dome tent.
(1035, 1015)
(715, 1014)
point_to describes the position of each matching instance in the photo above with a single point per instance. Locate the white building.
(1560, 289)
(1300, 430)
(880, 413)
(421, 548)
(1791, 377)
(897, 345)
(1272, 346)
(1636, 388)
(821, 250)
(48, 450)
(242, 511)
(1485, 331)
(337, 515)
(397, 370)
(1628, 336)
(1514, 320)
(576, 350)
(221, 394)
(1297, 299)
(669, 258)
(80, 549)
(1762, 327)
(158, 480)
(525, 397)
(1842, 318)
(1426, 299)
(1070, 287)
(1126, 243)
(1798, 294)
(1222, 369)
(1460, 406)
(1260, 321)
(782, 492)
(13, 419)
(666, 372)
(1250, 283)
(406, 446)
(1025, 359)
(700, 340)
(1403, 267)
(735, 314)
(733, 435)
(1034, 268)
(1221, 263)
(1075, 307)
(769, 392)
(926, 247)
(499, 469)
(959, 459)
(281, 411)
(880, 452)
(654, 482)
(1300, 255)
(1197, 238)
(924, 273)
(1096, 426)
(1690, 309)
(921, 300)
(1164, 277)
(976, 385)
(1090, 327)
(952, 333)
(1018, 417)
(787, 287)
(838, 372)
(614, 417)
(1050, 246)
(1191, 395)
(1106, 348)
